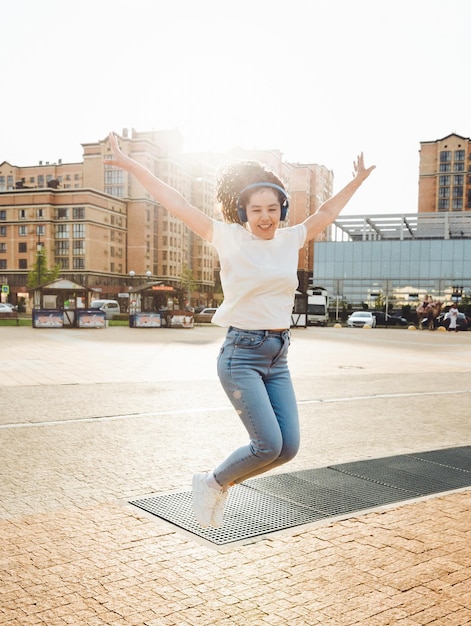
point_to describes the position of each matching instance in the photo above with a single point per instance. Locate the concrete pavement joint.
(228, 407)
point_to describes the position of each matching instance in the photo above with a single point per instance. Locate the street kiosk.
(64, 303)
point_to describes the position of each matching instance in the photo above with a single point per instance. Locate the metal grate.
(271, 503)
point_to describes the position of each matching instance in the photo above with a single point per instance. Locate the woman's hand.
(359, 169)
(330, 210)
(119, 158)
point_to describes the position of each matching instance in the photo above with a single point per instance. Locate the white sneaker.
(218, 512)
(205, 499)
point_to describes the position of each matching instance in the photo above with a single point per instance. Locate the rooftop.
(403, 226)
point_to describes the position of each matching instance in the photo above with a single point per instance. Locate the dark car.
(386, 319)
(462, 322)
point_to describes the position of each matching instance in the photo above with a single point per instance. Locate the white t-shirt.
(258, 276)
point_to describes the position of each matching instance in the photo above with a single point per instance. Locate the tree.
(40, 274)
(187, 285)
(379, 302)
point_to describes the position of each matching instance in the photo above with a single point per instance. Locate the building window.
(62, 231)
(114, 190)
(443, 204)
(458, 167)
(10, 182)
(63, 263)
(79, 264)
(3, 231)
(2, 183)
(40, 180)
(459, 155)
(457, 204)
(445, 167)
(22, 264)
(79, 247)
(22, 231)
(78, 213)
(443, 181)
(114, 176)
(40, 231)
(3, 248)
(3, 214)
(62, 248)
(3, 264)
(445, 156)
(114, 181)
(39, 213)
(22, 214)
(22, 248)
(78, 231)
(458, 179)
(62, 214)
(443, 192)
(458, 192)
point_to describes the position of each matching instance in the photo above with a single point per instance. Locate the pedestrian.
(453, 317)
(259, 278)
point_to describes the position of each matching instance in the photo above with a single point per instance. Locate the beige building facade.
(106, 232)
(310, 186)
(445, 174)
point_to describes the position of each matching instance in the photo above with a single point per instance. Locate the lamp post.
(132, 300)
(38, 255)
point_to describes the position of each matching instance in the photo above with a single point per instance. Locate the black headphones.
(242, 211)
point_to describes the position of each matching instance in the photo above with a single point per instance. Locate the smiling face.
(263, 213)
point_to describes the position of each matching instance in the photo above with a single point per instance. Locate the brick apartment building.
(105, 231)
(445, 174)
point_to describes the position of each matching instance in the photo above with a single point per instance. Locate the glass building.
(396, 259)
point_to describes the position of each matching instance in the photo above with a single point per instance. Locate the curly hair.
(235, 177)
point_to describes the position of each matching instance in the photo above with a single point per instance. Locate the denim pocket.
(249, 340)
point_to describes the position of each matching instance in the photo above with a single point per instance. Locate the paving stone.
(135, 414)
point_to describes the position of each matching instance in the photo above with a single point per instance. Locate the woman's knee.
(267, 450)
(289, 450)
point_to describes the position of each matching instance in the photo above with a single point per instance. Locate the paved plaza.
(92, 419)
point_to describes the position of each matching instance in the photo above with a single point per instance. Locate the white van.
(110, 307)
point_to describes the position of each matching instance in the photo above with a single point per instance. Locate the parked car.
(206, 315)
(110, 307)
(6, 308)
(462, 322)
(386, 319)
(358, 319)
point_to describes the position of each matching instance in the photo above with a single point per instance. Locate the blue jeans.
(253, 369)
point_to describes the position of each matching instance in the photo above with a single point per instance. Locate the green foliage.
(379, 302)
(187, 285)
(41, 274)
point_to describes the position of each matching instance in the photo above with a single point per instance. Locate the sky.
(319, 80)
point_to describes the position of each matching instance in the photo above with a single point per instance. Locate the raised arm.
(168, 197)
(331, 208)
